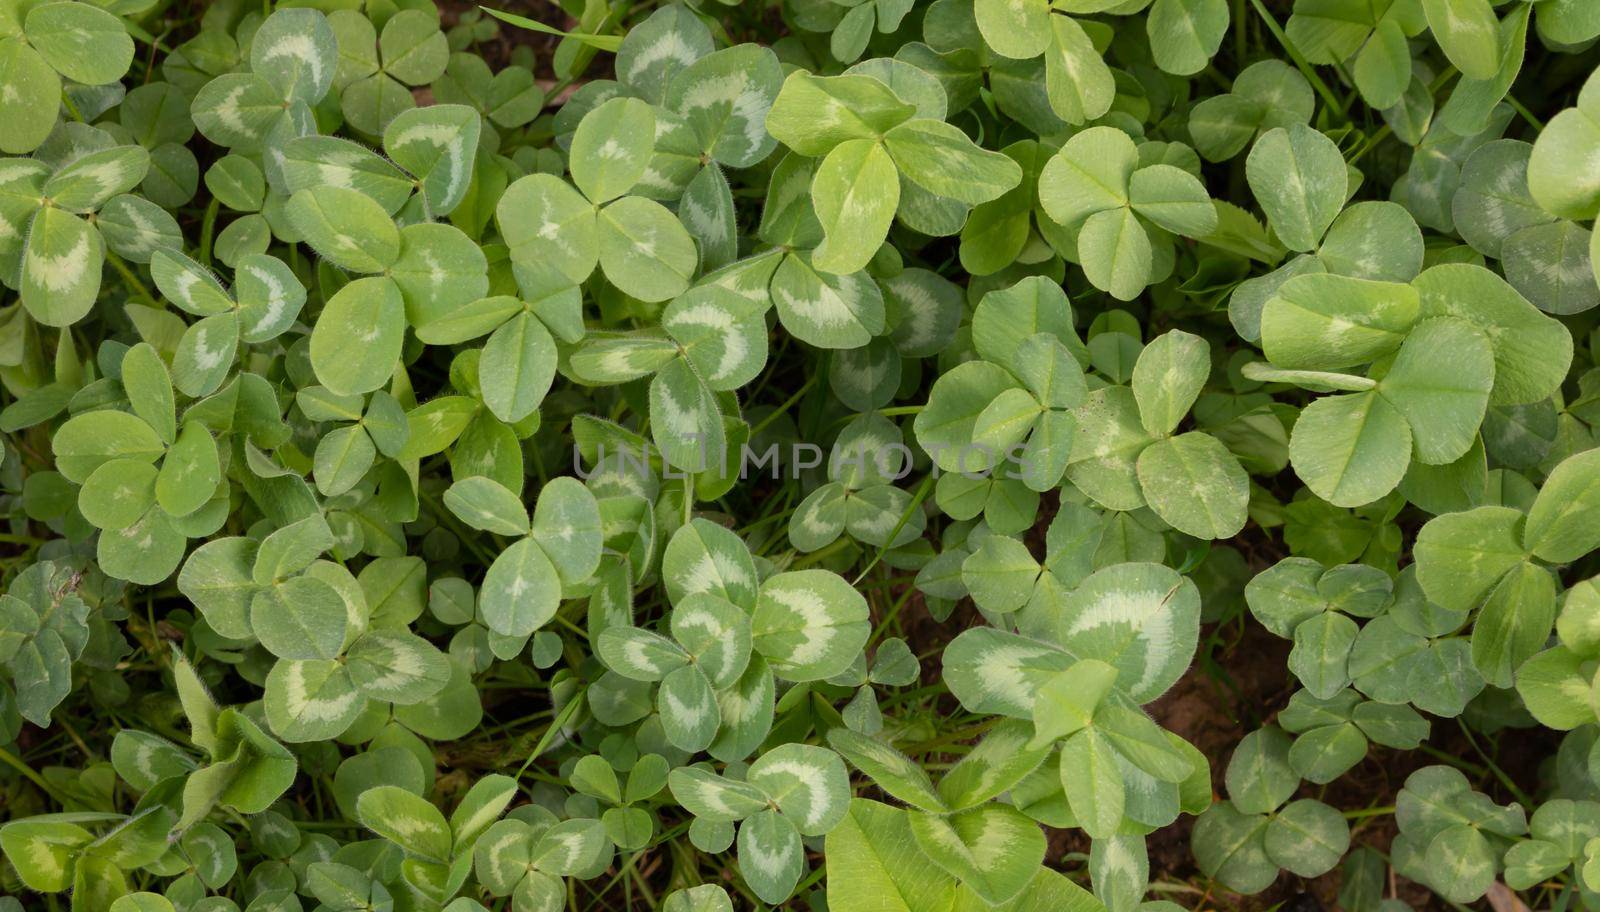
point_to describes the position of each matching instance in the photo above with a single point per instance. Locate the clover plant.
(872, 455)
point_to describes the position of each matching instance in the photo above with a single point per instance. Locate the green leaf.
(521, 590)
(1299, 178)
(1195, 484)
(517, 367)
(1462, 556)
(1440, 382)
(149, 388)
(88, 440)
(484, 503)
(771, 856)
(1116, 252)
(1019, 30)
(545, 220)
(1514, 622)
(85, 184)
(941, 159)
(671, 38)
(30, 113)
(892, 771)
(809, 785)
(824, 309)
(347, 227)
(726, 97)
(994, 850)
(1079, 85)
(1352, 449)
(1068, 701)
(809, 624)
(437, 144)
(190, 473)
(1561, 524)
(874, 863)
(1328, 322)
(82, 42)
(43, 852)
(356, 343)
(117, 493)
(611, 148)
(61, 267)
(405, 820)
(1167, 378)
(644, 250)
(1173, 199)
(1185, 34)
(1141, 618)
(568, 527)
(1094, 785)
(1307, 837)
(397, 667)
(1259, 776)
(1468, 33)
(308, 701)
(1231, 846)
(813, 114)
(855, 191)
(687, 426)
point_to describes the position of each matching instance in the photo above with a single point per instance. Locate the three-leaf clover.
(409, 275)
(867, 138)
(1440, 356)
(1331, 735)
(1452, 838)
(791, 791)
(1297, 598)
(375, 71)
(43, 630)
(265, 301)
(556, 549)
(639, 244)
(1245, 840)
(629, 826)
(146, 513)
(292, 63)
(860, 498)
(1121, 210)
(439, 853)
(1266, 95)
(526, 856)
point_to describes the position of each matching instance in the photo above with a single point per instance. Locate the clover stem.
(206, 227)
(131, 278)
(17, 764)
(1300, 61)
(787, 403)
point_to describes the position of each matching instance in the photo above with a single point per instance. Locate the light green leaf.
(61, 267)
(941, 159)
(1195, 484)
(855, 192)
(1298, 176)
(645, 251)
(355, 345)
(347, 227)
(809, 624)
(1352, 449)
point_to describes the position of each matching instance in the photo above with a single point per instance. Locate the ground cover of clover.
(829, 455)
